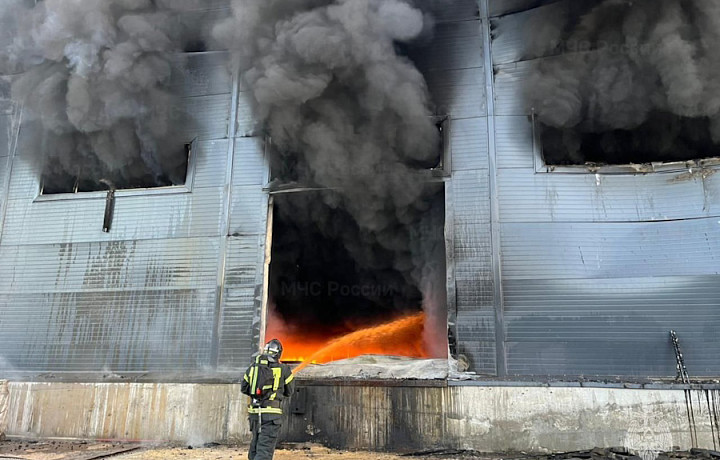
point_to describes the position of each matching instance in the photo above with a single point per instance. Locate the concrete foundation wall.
(4, 399)
(379, 418)
(191, 413)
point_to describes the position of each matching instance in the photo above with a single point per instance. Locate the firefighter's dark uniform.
(263, 442)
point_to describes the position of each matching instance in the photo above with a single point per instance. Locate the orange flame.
(403, 337)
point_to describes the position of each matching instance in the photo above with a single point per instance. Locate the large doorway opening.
(338, 291)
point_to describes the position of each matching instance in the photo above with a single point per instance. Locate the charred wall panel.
(122, 306)
(5, 137)
(535, 32)
(453, 65)
(529, 197)
(143, 297)
(503, 7)
(245, 254)
(596, 268)
(473, 269)
(450, 11)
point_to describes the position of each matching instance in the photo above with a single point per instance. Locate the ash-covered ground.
(82, 450)
(85, 450)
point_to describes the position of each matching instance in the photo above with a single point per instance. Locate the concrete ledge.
(484, 418)
(500, 419)
(188, 413)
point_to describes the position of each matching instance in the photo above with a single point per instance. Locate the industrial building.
(561, 281)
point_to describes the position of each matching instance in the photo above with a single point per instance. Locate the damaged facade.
(566, 271)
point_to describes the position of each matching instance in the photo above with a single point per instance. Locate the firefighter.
(267, 381)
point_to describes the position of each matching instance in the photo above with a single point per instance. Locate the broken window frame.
(595, 168)
(143, 191)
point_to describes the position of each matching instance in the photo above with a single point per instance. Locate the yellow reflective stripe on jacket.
(245, 377)
(289, 379)
(253, 385)
(265, 410)
(277, 375)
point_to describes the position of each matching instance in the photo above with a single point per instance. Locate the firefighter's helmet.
(273, 349)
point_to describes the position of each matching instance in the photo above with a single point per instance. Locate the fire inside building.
(459, 216)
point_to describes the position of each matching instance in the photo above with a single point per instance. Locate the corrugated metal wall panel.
(455, 45)
(5, 128)
(209, 116)
(80, 218)
(210, 163)
(136, 217)
(25, 180)
(241, 301)
(476, 340)
(510, 88)
(469, 144)
(198, 19)
(450, 10)
(460, 92)
(146, 264)
(712, 194)
(249, 167)
(502, 7)
(108, 331)
(246, 123)
(245, 252)
(612, 326)
(596, 269)
(140, 298)
(5, 125)
(248, 210)
(538, 32)
(610, 250)
(529, 197)
(453, 65)
(201, 74)
(139, 305)
(4, 171)
(473, 268)
(514, 141)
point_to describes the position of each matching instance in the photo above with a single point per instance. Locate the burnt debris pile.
(630, 82)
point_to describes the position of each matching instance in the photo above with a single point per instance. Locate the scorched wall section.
(454, 67)
(597, 268)
(143, 297)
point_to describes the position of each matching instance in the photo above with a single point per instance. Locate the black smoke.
(634, 76)
(346, 112)
(94, 83)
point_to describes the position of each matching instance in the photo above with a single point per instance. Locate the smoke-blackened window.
(100, 91)
(91, 176)
(617, 83)
(663, 137)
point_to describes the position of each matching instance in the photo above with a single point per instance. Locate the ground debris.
(84, 450)
(64, 450)
(622, 453)
(693, 453)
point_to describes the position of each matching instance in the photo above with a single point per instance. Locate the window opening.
(92, 177)
(663, 140)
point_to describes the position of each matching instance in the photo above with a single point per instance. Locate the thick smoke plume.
(646, 65)
(95, 79)
(345, 112)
